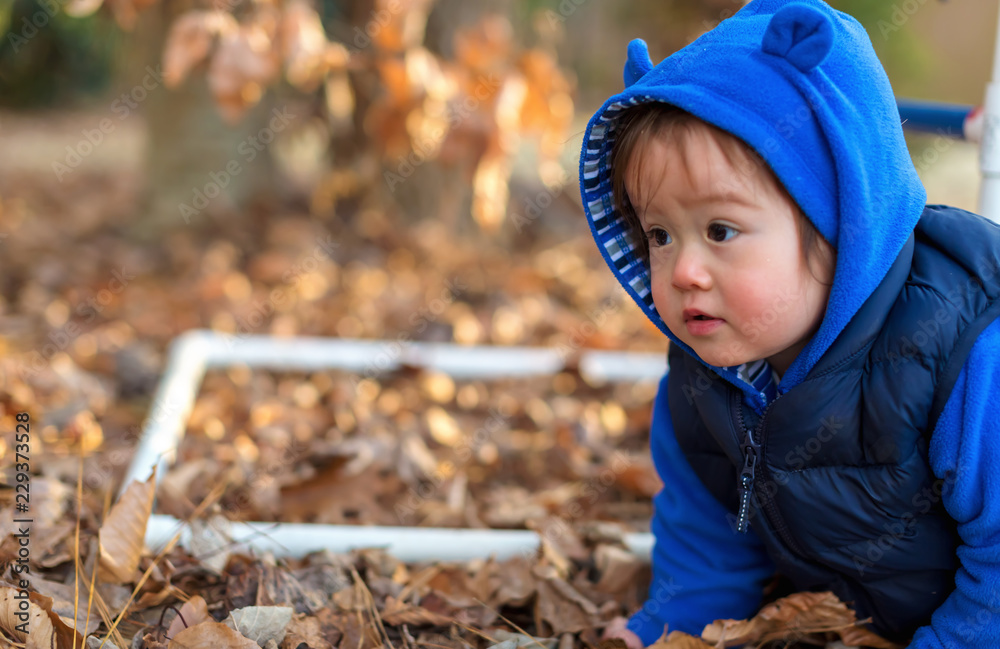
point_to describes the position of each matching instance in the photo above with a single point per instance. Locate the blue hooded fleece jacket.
(801, 85)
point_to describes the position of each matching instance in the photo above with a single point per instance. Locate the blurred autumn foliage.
(428, 121)
(408, 104)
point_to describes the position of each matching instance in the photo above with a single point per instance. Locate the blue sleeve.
(703, 570)
(965, 453)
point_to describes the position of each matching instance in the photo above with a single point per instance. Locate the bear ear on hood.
(799, 33)
(638, 62)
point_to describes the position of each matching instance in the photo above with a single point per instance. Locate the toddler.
(833, 340)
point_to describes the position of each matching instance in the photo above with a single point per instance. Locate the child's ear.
(799, 33)
(638, 62)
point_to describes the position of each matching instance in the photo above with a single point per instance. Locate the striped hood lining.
(609, 228)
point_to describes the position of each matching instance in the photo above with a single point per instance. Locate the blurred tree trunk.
(190, 146)
(413, 186)
(443, 189)
(449, 15)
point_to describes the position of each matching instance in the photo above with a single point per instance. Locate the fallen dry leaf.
(194, 612)
(618, 568)
(862, 637)
(680, 640)
(17, 620)
(795, 616)
(261, 623)
(211, 635)
(123, 533)
(54, 601)
(396, 613)
(307, 630)
(565, 614)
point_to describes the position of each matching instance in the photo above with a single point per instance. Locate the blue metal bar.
(934, 117)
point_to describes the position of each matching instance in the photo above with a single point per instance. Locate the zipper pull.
(746, 484)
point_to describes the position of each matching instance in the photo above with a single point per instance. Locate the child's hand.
(617, 629)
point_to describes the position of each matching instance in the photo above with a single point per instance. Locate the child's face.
(724, 241)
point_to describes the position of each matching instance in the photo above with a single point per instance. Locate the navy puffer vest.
(839, 485)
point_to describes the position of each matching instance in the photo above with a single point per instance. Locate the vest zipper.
(751, 448)
(748, 473)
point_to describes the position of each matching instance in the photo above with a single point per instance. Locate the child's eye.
(718, 232)
(657, 237)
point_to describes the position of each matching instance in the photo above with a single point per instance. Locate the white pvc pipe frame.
(192, 353)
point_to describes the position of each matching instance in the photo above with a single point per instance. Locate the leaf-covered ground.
(85, 318)
(415, 447)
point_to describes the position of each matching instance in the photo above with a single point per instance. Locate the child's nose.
(690, 270)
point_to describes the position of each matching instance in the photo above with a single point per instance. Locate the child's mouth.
(700, 325)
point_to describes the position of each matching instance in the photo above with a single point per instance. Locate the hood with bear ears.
(800, 83)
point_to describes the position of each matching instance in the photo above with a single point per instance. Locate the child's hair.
(656, 119)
